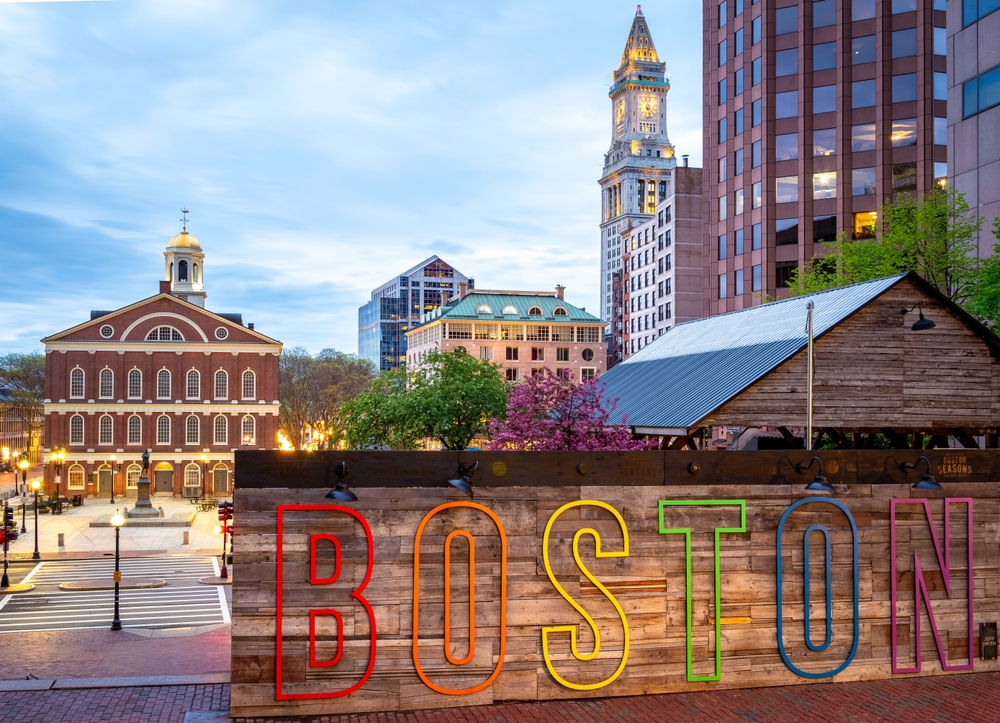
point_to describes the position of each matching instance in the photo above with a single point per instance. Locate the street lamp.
(247, 439)
(111, 459)
(23, 465)
(35, 486)
(204, 474)
(117, 521)
(57, 461)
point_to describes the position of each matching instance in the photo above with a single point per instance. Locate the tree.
(985, 302)
(295, 393)
(547, 412)
(450, 397)
(932, 236)
(23, 376)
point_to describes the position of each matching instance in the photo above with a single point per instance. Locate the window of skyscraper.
(941, 40)
(864, 225)
(738, 82)
(723, 246)
(722, 130)
(786, 62)
(904, 178)
(786, 231)
(755, 193)
(825, 142)
(722, 13)
(738, 42)
(786, 147)
(756, 277)
(824, 99)
(862, 9)
(904, 43)
(824, 55)
(972, 10)
(981, 92)
(722, 169)
(825, 184)
(824, 229)
(786, 20)
(904, 132)
(738, 245)
(738, 162)
(904, 87)
(824, 13)
(940, 86)
(755, 70)
(755, 30)
(786, 189)
(755, 240)
(940, 174)
(722, 91)
(863, 137)
(739, 282)
(903, 6)
(786, 105)
(738, 202)
(738, 122)
(862, 93)
(940, 131)
(756, 155)
(863, 50)
(722, 208)
(783, 273)
(722, 52)
(863, 182)
(755, 112)
(722, 286)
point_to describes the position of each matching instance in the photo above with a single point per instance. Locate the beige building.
(522, 331)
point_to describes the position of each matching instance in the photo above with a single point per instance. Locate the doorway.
(105, 478)
(220, 481)
(163, 479)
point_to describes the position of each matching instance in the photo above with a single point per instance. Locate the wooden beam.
(992, 438)
(937, 441)
(898, 440)
(794, 441)
(679, 443)
(967, 440)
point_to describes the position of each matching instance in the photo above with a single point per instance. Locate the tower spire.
(184, 220)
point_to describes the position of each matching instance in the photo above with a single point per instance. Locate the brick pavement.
(945, 699)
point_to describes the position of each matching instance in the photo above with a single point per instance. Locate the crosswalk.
(183, 602)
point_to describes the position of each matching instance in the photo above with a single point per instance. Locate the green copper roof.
(471, 308)
(644, 83)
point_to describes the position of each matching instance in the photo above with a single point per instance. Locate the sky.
(320, 147)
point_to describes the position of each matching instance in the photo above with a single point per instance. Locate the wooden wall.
(397, 490)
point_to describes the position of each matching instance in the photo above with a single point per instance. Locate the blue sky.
(321, 148)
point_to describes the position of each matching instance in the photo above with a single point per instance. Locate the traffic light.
(225, 511)
(8, 516)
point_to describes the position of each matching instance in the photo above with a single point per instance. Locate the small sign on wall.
(988, 641)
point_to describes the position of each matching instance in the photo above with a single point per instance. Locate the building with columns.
(163, 374)
(637, 166)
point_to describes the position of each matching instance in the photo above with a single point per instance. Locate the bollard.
(62, 539)
(160, 508)
(186, 540)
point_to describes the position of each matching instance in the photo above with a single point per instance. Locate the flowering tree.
(547, 412)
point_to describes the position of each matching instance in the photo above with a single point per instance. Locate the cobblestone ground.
(945, 699)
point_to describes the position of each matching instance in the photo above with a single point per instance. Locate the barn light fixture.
(462, 481)
(920, 324)
(342, 492)
(927, 482)
(819, 483)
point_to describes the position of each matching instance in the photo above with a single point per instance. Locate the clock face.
(647, 105)
(620, 111)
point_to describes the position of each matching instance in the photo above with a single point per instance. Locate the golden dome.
(183, 240)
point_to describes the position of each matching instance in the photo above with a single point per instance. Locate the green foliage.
(23, 375)
(450, 397)
(985, 302)
(932, 236)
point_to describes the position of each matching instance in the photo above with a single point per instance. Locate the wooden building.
(880, 378)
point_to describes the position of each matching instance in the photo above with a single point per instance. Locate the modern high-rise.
(974, 109)
(399, 304)
(815, 113)
(637, 167)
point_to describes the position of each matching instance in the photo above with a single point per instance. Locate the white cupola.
(185, 266)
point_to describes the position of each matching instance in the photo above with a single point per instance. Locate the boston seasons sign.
(328, 618)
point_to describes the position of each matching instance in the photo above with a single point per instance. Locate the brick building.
(163, 374)
(522, 331)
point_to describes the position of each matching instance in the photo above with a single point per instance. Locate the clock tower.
(637, 168)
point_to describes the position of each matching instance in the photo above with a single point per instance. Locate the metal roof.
(699, 365)
(467, 309)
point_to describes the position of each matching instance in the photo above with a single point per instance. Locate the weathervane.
(184, 220)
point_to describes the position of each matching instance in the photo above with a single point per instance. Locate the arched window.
(510, 309)
(194, 273)
(107, 386)
(249, 430)
(182, 270)
(106, 430)
(560, 311)
(135, 384)
(163, 429)
(221, 430)
(220, 479)
(135, 429)
(535, 311)
(192, 434)
(221, 385)
(193, 384)
(192, 475)
(164, 333)
(132, 476)
(163, 384)
(484, 309)
(76, 429)
(76, 477)
(76, 384)
(249, 385)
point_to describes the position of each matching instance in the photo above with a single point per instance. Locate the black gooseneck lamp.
(927, 482)
(342, 492)
(463, 481)
(819, 483)
(920, 324)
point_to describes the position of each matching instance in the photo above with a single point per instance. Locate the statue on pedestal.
(143, 505)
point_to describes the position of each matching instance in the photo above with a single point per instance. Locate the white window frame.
(73, 437)
(106, 391)
(76, 477)
(588, 373)
(252, 376)
(77, 383)
(248, 425)
(192, 475)
(193, 391)
(190, 438)
(134, 390)
(132, 476)
(224, 375)
(162, 438)
(225, 430)
(106, 430)
(134, 425)
(160, 375)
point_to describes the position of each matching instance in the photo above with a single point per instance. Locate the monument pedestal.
(143, 506)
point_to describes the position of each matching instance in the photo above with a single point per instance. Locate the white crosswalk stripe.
(182, 602)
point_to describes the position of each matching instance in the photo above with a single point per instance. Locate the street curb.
(139, 681)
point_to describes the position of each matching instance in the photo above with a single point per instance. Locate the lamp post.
(809, 375)
(111, 462)
(204, 474)
(57, 461)
(23, 465)
(117, 521)
(14, 468)
(35, 486)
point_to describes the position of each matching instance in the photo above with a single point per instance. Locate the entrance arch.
(163, 479)
(105, 479)
(220, 480)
